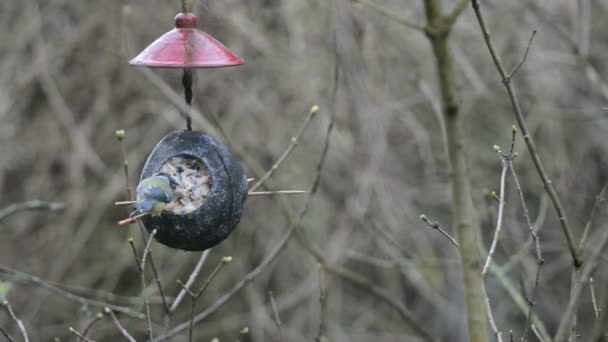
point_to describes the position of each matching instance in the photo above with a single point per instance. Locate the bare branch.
(8, 337)
(97, 318)
(17, 320)
(294, 141)
(539, 258)
(190, 280)
(596, 205)
(144, 286)
(497, 333)
(576, 292)
(322, 305)
(69, 295)
(596, 310)
(277, 318)
(82, 337)
(30, 205)
(523, 60)
(451, 17)
(577, 261)
(435, 225)
(122, 330)
(501, 204)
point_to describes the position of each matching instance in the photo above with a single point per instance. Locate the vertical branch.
(323, 306)
(539, 257)
(195, 296)
(191, 279)
(277, 318)
(497, 332)
(437, 30)
(120, 135)
(501, 206)
(142, 269)
(506, 80)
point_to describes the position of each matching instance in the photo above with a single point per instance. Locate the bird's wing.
(153, 193)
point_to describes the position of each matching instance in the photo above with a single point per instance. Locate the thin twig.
(135, 254)
(460, 6)
(8, 337)
(567, 231)
(576, 293)
(598, 201)
(277, 318)
(97, 318)
(195, 296)
(596, 310)
(142, 268)
(390, 14)
(523, 59)
(486, 301)
(501, 205)
(191, 280)
(17, 320)
(435, 225)
(278, 192)
(120, 135)
(294, 141)
(69, 295)
(322, 304)
(30, 205)
(119, 326)
(537, 333)
(82, 337)
(539, 257)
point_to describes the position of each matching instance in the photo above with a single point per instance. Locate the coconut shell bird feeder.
(211, 186)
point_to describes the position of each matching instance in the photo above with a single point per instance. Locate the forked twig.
(191, 280)
(567, 231)
(82, 337)
(195, 296)
(86, 330)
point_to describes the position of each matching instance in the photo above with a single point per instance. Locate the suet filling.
(191, 181)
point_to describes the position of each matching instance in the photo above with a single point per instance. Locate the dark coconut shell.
(215, 219)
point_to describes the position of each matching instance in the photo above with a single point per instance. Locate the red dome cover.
(186, 47)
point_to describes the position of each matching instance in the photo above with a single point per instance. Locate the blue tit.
(154, 193)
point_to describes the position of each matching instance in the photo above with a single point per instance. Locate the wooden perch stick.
(278, 192)
(125, 202)
(132, 219)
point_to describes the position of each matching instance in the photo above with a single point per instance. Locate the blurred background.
(66, 86)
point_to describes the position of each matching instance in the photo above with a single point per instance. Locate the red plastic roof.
(186, 47)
